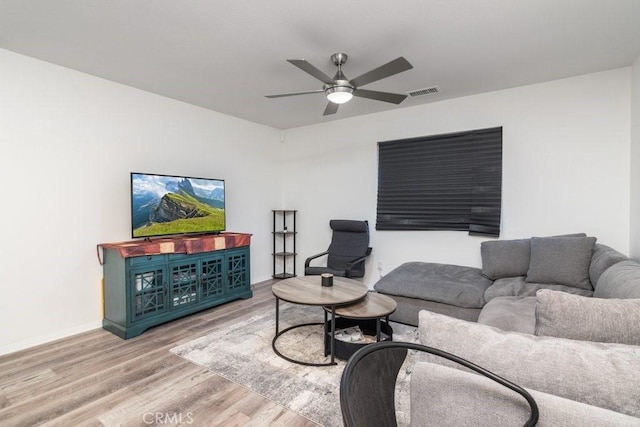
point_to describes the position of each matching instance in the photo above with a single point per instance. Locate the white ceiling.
(226, 55)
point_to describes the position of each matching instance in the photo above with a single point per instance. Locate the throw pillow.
(561, 260)
(599, 374)
(505, 258)
(508, 258)
(563, 315)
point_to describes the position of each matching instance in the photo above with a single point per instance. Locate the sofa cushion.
(446, 397)
(510, 314)
(558, 314)
(505, 258)
(561, 260)
(622, 280)
(603, 257)
(519, 287)
(600, 374)
(445, 283)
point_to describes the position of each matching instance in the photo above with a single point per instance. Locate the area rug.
(242, 353)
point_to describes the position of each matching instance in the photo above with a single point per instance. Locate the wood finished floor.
(98, 379)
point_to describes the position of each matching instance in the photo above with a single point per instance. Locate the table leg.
(326, 332)
(326, 317)
(277, 315)
(378, 320)
(333, 334)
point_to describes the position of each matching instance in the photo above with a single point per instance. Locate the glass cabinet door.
(149, 292)
(238, 270)
(183, 282)
(212, 277)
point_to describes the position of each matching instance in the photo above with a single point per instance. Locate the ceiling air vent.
(426, 91)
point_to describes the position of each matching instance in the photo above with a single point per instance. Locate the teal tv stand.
(147, 283)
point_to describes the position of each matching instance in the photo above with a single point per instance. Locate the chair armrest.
(357, 261)
(308, 260)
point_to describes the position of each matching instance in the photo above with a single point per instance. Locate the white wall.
(635, 161)
(68, 142)
(565, 167)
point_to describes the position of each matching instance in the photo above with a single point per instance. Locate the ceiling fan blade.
(394, 98)
(332, 108)
(294, 93)
(308, 68)
(396, 66)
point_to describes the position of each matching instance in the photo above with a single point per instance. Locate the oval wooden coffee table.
(307, 290)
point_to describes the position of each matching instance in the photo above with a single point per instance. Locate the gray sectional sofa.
(512, 269)
(559, 316)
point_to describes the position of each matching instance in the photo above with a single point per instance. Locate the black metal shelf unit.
(284, 244)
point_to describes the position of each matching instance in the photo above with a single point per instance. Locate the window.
(442, 182)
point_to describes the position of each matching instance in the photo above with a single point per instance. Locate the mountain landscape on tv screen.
(164, 205)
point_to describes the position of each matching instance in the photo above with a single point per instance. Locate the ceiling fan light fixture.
(339, 94)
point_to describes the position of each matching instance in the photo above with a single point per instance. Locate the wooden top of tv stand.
(179, 244)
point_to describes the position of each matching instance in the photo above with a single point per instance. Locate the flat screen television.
(163, 205)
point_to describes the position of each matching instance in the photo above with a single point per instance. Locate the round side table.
(373, 308)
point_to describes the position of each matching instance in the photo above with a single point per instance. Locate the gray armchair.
(347, 252)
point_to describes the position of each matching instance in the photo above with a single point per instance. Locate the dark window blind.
(442, 182)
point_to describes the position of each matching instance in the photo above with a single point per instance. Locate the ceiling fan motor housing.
(339, 58)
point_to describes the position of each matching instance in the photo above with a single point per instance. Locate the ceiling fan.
(340, 90)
